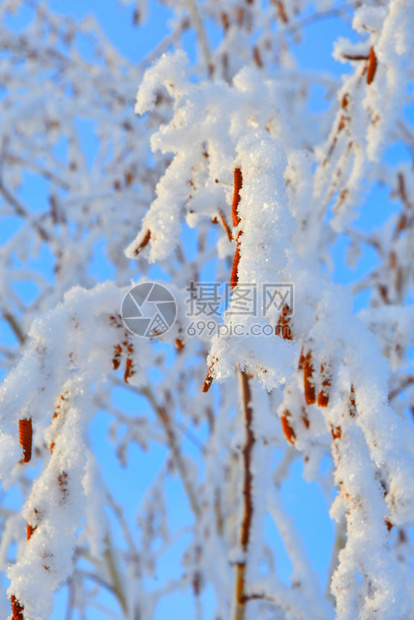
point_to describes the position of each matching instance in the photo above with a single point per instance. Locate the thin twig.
(173, 443)
(400, 388)
(305, 21)
(247, 412)
(21, 211)
(165, 45)
(201, 34)
(114, 574)
(12, 321)
(183, 429)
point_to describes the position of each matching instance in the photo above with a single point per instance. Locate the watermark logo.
(211, 299)
(278, 296)
(148, 310)
(208, 301)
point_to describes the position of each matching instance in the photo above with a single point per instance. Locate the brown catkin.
(238, 183)
(281, 11)
(225, 21)
(29, 530)
(309, 385)
(257, 57)
(129, 371)
(179, 344)
(352, 403)
(323, 396)
(208, 380)
(234, 278)
(116, 361)
(336, 432)
(63, 484)
(355, 56)
(25, 437)
(283, 328)
(287, 428)
(143, 243)
(372, 66)
(17, 609)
